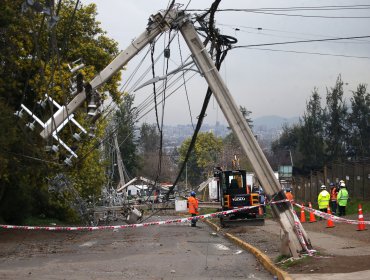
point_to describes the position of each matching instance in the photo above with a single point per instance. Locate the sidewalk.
(326, 243)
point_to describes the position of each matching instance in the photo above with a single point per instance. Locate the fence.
(356, 175)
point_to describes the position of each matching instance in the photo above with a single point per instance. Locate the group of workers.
(337, 198)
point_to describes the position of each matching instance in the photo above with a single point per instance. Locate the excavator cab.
(235, 193)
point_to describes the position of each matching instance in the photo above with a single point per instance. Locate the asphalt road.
(155, 252)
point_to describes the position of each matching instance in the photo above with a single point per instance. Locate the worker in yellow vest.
(342, 199)
(323, 199)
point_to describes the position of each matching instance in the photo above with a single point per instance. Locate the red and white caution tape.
(331, 217)
(298, 230)
(183, 220)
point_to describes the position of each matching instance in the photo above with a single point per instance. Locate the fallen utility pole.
(247, 140)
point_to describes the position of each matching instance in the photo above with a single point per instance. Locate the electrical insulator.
(19, 113)
(91, 107)
(42, 103)
(92, 131)
(55, 148)
(77, 136)
(68, 161)
(31, 125)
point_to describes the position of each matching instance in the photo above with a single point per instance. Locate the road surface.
(156, 252)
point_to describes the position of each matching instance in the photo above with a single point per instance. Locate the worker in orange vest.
(289, 195)
(193, 208)
(333, 198)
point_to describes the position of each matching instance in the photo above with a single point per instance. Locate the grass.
(39, 221)
(352, 207)
(285, 262)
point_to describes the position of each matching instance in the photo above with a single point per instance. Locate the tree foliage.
(359, 124)
(335, 115)
(124, 124)
(34, 60)
(204, 157)
(336, 132)
(311, 133)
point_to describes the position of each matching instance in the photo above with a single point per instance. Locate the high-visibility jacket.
(323, 199)
(342, 197)
(333, 194)
(289, 196)
(193, 205)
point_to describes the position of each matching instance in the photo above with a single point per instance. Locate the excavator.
(235, 193)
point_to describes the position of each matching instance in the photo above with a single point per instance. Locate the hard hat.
(342, 184)
(323, 187)
(341, 181)
(288, 190)
(192, 193)
(332, 184)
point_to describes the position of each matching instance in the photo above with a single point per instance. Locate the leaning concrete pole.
(292, 242)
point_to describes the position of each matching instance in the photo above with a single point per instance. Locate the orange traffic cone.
(312, 215)
(303, 215)
(360, 225)
(330, 222)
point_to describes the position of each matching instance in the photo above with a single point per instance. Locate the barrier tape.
(183, 220)
(331, 217)
(298, 230)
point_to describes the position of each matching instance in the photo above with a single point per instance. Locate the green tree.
(285, 148)
(124, 123)
(359, 124)
(149, 150)
(336, 118)
(311, 137)
(204, 157)
(33, 59)
(149, 138)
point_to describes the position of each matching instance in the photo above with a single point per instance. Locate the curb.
(260, 256)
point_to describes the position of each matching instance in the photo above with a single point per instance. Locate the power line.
(302, 41)
(312, 53)
(297, 8)
(260, 32)
(309, 16)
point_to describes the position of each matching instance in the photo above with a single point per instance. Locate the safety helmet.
(323, 187)
(332, 184)
(342, 184)
(192, 193)
(288, 190)
(341, 181)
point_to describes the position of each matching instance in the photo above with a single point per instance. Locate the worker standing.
(333, 198)
(342, 199)
(289, 195)
(193, 208)
(323, 199)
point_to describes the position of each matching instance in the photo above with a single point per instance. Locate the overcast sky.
(267, 80)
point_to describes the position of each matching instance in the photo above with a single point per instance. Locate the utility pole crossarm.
(158, 25)
(245, 136)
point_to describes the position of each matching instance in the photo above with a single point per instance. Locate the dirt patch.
(268, 241)
(328, 264)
